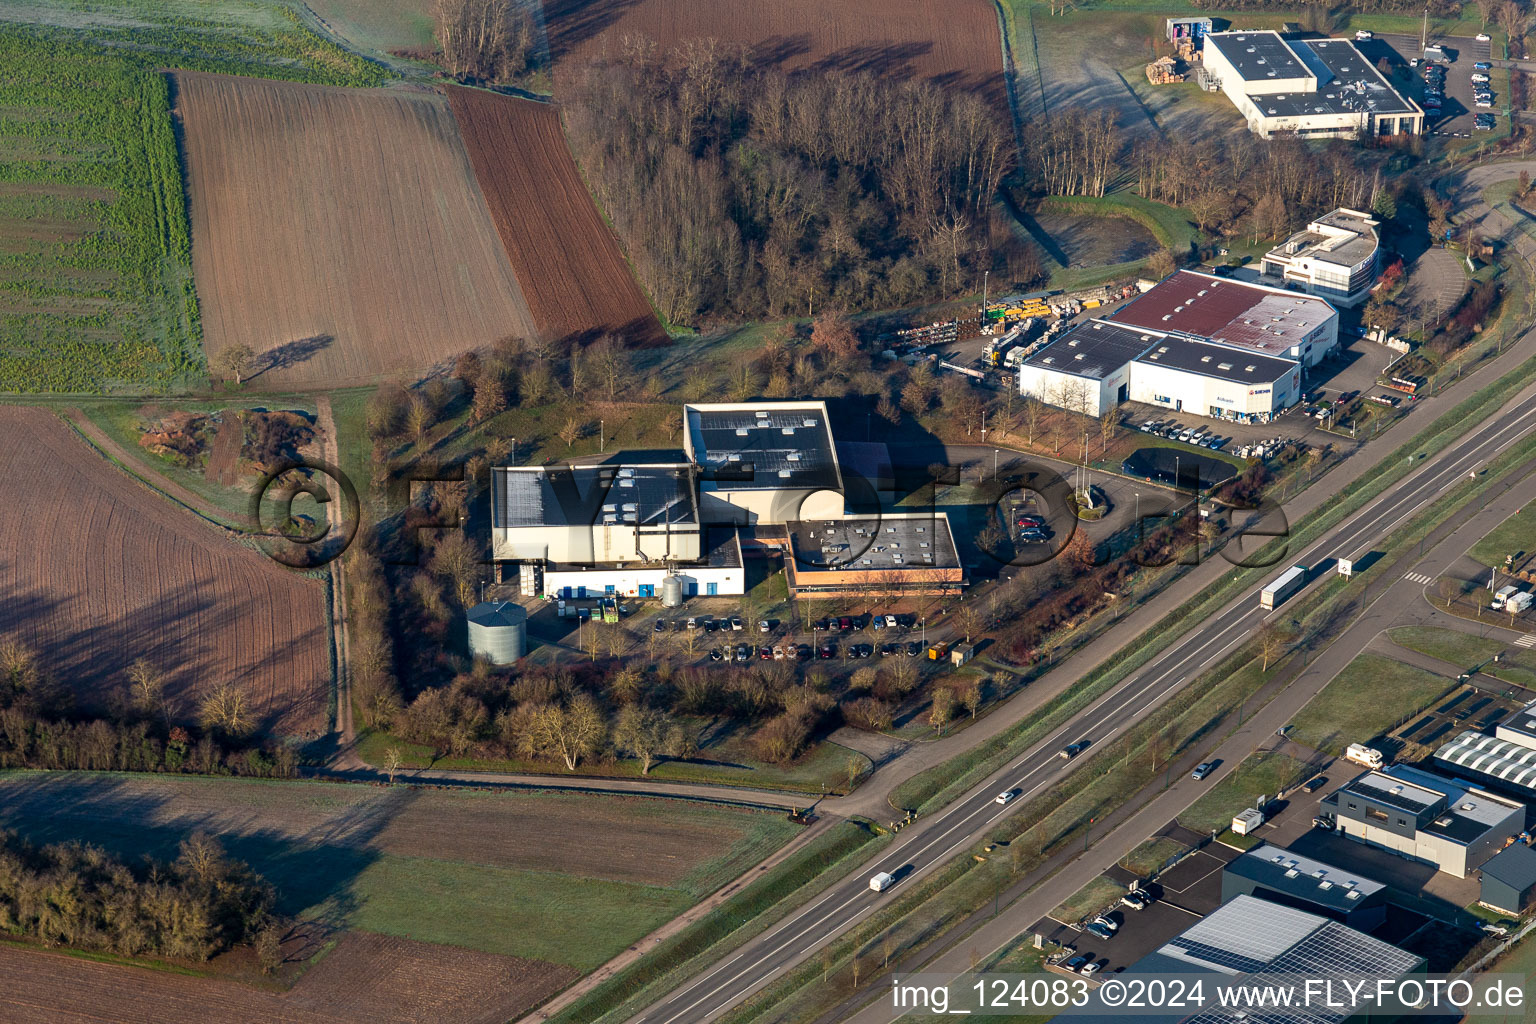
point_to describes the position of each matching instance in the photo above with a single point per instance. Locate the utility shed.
(1509, 879)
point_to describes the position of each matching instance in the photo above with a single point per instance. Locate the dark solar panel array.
(1386, 796)
(1217, 955)
(785, 449)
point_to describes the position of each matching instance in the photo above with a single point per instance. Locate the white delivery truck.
(1362, 754)
(1502, 595)
(1286, 584)
(1517, 602)
(883, 881)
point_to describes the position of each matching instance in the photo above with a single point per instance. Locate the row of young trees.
(139, 730)
(740, 192)
(193, 908)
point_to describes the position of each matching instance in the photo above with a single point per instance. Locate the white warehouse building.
(1336, 257)
(1195, 344)
(1316, 88)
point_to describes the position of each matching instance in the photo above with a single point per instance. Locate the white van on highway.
(883, 881)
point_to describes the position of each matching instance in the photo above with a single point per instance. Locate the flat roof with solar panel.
(593, 496)
(1520, 727)
(1260, 939)
(762, 446)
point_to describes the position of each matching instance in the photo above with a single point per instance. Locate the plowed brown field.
(953, 43)
(96, 572)
(339, 232)
(367, 977)
(568, 260)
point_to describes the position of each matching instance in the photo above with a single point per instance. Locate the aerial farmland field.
(448, 891)
(575, 278)
(954, 44)
(339, 233)
(96, 572)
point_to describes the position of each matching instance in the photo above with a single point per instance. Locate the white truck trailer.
(1502, 596)
(1283, 586)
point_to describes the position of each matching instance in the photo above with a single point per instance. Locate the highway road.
(931, 841)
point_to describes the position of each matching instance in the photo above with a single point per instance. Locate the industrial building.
(1497, 763)
(1252, 317)
(1509, 880)
(1293, 880)
(1425, 817)
(888, 554)
(1314, 88)
(1260, 939)
(1336, 257)
(1100, 363)
(648, 524)
(764, 462)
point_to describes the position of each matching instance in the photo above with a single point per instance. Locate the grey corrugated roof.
(1283, 871)
(1218, 361)
(593, 495)
(1515, 866)
(1511, 762)
(1093, 349)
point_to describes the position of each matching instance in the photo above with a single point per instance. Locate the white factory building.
(1314, 88)
(1336, 258)
(627, 526)
(764, 462)
(1196, 344)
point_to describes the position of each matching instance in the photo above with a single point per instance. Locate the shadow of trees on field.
(313, 868)
(291, 353)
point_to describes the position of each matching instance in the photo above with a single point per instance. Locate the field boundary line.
(103, 446)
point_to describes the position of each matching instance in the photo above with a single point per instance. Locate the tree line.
(40, 727)
(743, 192)
(195, 907)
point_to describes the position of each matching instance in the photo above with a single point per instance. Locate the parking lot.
(1182, 895)
(1456, 114)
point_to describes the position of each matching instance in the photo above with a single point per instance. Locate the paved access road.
(932, 841)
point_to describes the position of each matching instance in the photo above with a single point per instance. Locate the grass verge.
(1371, 696)
(1261, 775)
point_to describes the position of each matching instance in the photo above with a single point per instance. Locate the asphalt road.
(930, 842)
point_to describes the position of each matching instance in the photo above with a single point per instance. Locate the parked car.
(886, 650)
(1316, 783)
(765, 653)
(715, 654)
(661, 625)
(1202, 770)
(1481, 65)
(1362, 35)
(914, 649)
(826, 651)
(1324, 822)
(1483, 37)
(1098, 930)
(1133, 900)
(1075, 964)
(778, 652)
(1094, 966)
(1483, 101)
(802, 651)
(845, 624)
(764, 626)
(890, 622)
(1107, 922)
(736, 624)
(710, 625)
(819, 626)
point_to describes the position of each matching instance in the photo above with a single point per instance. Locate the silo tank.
(498, 631)
(671, 592)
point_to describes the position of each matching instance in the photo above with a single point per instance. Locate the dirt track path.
(346, 735)
(134, 467)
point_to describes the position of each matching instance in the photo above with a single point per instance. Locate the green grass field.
(1091, 898)
(96, 291)
(460, 868)
(1514, 536)
(1465, 651)
(1259, 775)
(381, 25)
(1372, 695)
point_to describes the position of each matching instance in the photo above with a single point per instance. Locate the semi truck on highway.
(1288, 582)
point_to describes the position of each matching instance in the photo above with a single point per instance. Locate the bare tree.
(942, 711)
(1272, 641)
(571, 732)
(483, 40)
(235, 361)
(226, 708)
(645, 734)
(392, 763)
